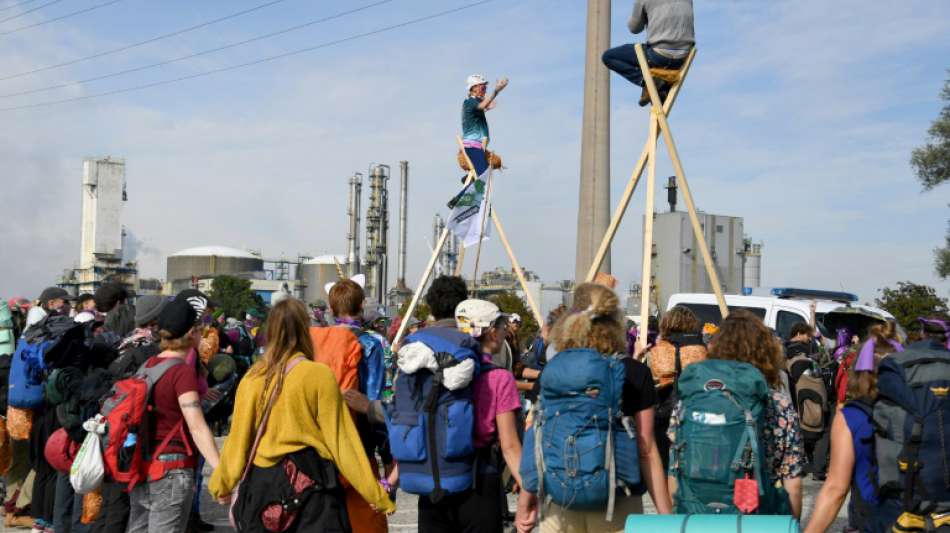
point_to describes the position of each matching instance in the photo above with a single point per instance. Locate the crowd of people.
(325, 418)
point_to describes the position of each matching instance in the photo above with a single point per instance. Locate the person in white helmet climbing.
(474, 125)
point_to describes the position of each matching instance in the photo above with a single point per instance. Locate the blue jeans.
(623, 60)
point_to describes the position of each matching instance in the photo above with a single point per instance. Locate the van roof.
(823, 305)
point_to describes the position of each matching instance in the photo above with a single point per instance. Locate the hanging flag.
(466, 216)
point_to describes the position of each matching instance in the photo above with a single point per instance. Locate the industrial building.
(101, 240)
(678, 265)
(186, 267)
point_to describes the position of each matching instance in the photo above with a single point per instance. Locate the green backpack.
(7, 340)
(719, 439)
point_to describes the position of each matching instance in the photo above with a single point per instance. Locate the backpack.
(667, 395)
(372, 367)
(719, 439)
(431, 418)
(809, 394)
(912, 418)
(28, 374)
(126, 425)
(580, 448)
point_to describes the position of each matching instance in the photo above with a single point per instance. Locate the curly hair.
(594, 321)
(680, 319)
(743, 337)
(444, 295)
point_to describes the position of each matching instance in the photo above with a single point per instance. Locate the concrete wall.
(180, 269)
(103, 183)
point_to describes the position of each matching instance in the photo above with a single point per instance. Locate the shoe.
(195, 523)
(644, 97)
(21, 521)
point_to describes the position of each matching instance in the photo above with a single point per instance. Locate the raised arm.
(487, 104)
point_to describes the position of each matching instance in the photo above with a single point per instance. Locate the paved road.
(404, 520)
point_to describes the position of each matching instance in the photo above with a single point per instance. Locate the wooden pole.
(648, 236)
(422, 283)
(681, 182)
(635, 177)
(517, 267)
(481, 231)
(460, 260)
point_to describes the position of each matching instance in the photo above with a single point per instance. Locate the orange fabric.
(363, 519)
(19, 423)
(6, 455)
(662, 360)
(91, 506)
(338, 348)
(209, 344)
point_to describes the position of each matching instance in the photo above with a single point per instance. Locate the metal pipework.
(403, 205)
(353, 213)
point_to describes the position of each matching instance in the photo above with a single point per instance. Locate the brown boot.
(18, 521)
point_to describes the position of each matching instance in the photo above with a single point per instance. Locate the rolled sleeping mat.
(711, 523)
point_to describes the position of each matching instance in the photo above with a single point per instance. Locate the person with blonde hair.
(590, 362)
(292, 437)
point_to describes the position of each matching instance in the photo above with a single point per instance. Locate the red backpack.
(126, 438)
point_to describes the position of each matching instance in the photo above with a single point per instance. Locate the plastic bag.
(91, 506)
(88, 470)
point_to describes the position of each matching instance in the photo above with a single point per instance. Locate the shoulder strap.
(151, 375)
(679, 363)
(261, 428)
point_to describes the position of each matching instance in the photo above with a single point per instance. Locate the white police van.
(785, 307)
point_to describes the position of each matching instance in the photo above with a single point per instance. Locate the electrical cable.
(255, 62)
(28, 11)
(18, 4)
(140, 43)
(61, 17)
(196, 54)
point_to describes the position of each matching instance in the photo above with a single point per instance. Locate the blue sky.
(799, 116)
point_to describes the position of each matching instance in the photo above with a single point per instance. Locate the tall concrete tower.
(103, 192)
(593, 213)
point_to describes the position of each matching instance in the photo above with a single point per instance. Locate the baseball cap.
(514, 317)
(475, 79)
(53, 293)
(472, 316)
(177, 317)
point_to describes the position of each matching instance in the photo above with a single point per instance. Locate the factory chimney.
(671, 193)
(403, 201)
(353, 235)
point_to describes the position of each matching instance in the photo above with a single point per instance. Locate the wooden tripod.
(658, 124)
(490, 213)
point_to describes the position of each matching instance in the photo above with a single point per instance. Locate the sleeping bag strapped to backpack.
(809, 394)
(912, 443)
(431, 418)
(580, 448)
(7, 337)
(719, 441)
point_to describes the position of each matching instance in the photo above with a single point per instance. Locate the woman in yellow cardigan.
(308, 441)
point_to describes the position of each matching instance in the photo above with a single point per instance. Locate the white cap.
(473, 316)
(514, 317)
(475, 79)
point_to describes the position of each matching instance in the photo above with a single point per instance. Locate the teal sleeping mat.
(710, 523)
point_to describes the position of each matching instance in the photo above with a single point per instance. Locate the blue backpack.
(28, 374)
(912, 440)
(430, 426)
(580, 445)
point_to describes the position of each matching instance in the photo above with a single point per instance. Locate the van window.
(709, 313)
(785, 321)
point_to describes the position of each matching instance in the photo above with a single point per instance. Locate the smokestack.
(353, 212)
(437, 226)
(403, 201)
(377, 230)
(671, 193)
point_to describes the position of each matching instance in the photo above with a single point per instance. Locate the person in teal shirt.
(474, 125)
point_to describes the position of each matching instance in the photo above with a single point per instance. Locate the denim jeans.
(67, 508)
(623, 60)
(162, 506)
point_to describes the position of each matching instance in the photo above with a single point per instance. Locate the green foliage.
(509, 302)
(909, 301)
(234, 295)
(931, 163)
(421, 311)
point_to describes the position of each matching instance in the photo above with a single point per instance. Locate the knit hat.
(177, 317)
(108, 295)
(148, 307)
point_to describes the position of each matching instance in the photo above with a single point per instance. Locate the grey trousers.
(162, 506)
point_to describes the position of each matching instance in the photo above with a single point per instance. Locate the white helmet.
(475, 79)
(473, 316)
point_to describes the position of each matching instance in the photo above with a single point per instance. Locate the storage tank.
(317, 272)
(209, 261)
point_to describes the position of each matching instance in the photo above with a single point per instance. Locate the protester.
(670, 37)
(53, 300)
(679, 344)
(321, 444)
(596, 323)
(474, 124)
(163, 503)
(742, 337)
(110, 300)
(85, 302)
(853, 464)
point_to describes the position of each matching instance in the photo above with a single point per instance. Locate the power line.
(140, 43)
(61, 17)
(255, 62)
(197, 54)
(28, 11)
(18, 4)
